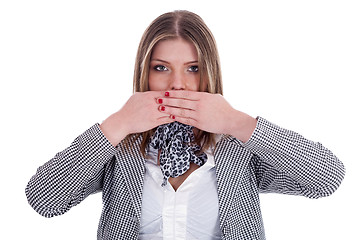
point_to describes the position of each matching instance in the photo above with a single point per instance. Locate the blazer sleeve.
(71, 175)
(286, 162)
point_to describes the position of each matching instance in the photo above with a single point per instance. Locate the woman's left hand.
(208, 112)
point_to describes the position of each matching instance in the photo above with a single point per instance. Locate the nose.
(178, 81)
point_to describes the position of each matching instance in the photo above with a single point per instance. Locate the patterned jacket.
(273, 160)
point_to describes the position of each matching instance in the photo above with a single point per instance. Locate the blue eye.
(194, 69)
(160, 68)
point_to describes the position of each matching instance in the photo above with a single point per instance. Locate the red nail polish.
(160, 101)
(162, 108)
(173, 117)
(167, 94)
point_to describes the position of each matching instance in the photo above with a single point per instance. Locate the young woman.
(177, 161)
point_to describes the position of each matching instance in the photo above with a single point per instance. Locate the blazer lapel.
(231, 159)
(132, 166)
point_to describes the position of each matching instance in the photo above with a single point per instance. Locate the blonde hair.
(190, 27)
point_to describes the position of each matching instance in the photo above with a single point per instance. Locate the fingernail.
(172, 116)
(160, 101)
(167, 94)
(162, 108)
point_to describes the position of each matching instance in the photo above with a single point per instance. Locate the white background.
(65, 65)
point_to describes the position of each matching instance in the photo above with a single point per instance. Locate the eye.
(160, 68)
(193, 69)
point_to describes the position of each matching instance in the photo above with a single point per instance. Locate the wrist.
(243, 126)
(113, 129)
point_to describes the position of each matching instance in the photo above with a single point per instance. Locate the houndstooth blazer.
(273, 160)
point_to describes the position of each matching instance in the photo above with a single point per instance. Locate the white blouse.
(191, 212)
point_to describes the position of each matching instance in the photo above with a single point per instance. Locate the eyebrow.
(160, 60)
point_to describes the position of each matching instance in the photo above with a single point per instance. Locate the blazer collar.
(231, 159)
(132, 166)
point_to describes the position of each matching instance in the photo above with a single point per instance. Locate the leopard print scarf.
(175, 140)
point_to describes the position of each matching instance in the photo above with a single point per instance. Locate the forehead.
(176, 49)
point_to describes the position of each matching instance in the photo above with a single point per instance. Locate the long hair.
(190, 27)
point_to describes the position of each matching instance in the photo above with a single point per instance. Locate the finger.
(190, 95)
(175, 111)
(153, 95)
(185, 120)
(178, 103)
(162, 113)
(164, 120)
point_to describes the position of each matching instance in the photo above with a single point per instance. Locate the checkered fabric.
(273, 160)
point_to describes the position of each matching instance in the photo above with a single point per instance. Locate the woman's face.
(174, 66)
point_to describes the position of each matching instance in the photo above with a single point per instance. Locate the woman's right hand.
(139, 114)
